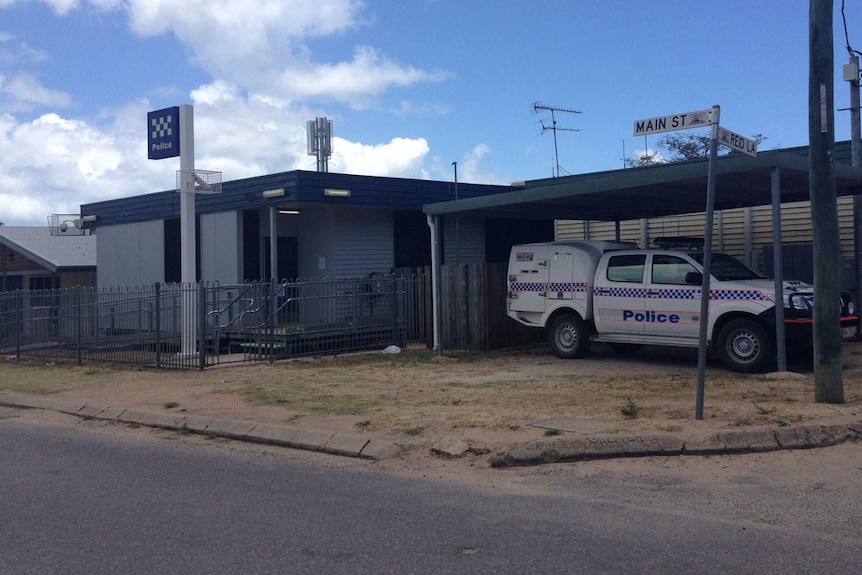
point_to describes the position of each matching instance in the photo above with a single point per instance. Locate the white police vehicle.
(584, 291)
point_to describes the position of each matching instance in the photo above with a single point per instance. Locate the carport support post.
(707, 264)
(778, 273)
(437, 312)
(273, 245)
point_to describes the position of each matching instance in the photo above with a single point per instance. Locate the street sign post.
(718, 135)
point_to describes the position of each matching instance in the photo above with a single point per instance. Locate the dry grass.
(491, 396)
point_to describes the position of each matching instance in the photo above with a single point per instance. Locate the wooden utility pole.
(828, 375)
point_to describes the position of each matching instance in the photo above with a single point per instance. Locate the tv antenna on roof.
(554, 128)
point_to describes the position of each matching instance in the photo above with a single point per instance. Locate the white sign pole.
(732, 140)
(707, 263)
(188, 257)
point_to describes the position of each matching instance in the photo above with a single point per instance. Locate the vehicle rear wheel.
(743, 345)
(569, 336)
(625, 348)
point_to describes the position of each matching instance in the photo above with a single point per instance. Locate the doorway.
(287, 256)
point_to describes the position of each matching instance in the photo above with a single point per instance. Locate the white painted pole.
(188, 256)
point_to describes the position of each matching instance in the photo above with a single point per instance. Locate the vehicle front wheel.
(743, 345)
(569, 337)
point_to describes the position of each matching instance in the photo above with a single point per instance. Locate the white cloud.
(249, 135)
(249, 120)
(368, 74)
(20, 89)
(52, 164)
(469, 168)
(61, 7)
(243, 135)
(12, 53)
(25, 90)
(260, 45)
(245, 22)
(401, 157)
(470, 165)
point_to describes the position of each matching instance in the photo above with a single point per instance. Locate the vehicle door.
(619, 296)
(560, 275)
(528, 279)
(673, 297)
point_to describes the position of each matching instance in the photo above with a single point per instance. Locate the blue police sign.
(163, 133)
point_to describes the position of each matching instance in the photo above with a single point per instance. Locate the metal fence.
(205, 324)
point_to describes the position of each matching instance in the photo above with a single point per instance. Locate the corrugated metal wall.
(131, 254)
(362, 242)
(220, 246)
(729, 229)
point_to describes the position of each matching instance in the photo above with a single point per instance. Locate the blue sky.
(411, 86)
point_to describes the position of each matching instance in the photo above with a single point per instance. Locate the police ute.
(582, 291)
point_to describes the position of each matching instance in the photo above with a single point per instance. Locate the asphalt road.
(76, 499)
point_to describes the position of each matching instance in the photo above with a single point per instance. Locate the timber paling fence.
(188, 326)
(474, 309)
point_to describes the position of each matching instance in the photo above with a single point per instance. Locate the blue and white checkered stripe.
(534, 287)
(747, 295)
(681, 293)
(622, 291)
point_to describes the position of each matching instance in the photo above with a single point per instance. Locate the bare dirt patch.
(483, 399)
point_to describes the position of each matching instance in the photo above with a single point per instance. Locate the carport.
(773, 177)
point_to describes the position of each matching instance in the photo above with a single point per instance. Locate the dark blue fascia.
(300, 187)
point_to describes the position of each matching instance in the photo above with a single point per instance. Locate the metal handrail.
(241, 314)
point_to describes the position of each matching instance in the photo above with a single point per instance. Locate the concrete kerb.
(283, 435)
(570, 449)
(557, 450)
(562, 449)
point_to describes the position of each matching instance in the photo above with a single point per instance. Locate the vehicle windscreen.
(725, 268)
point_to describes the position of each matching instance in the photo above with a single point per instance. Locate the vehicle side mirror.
(694, 278)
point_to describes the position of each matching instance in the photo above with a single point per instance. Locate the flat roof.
(660, 190)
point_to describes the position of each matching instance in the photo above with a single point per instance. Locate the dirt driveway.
(484, 399)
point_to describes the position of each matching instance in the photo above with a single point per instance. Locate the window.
(43, 283)
(670, 269)
(626, 268)
(726, 268)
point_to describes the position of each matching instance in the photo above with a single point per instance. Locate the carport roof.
(662, 190)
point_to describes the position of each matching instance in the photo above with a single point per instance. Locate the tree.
(681, 147)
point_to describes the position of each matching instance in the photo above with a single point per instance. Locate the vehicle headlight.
(801, 301)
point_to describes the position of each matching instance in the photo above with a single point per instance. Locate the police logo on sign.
(163, 133)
